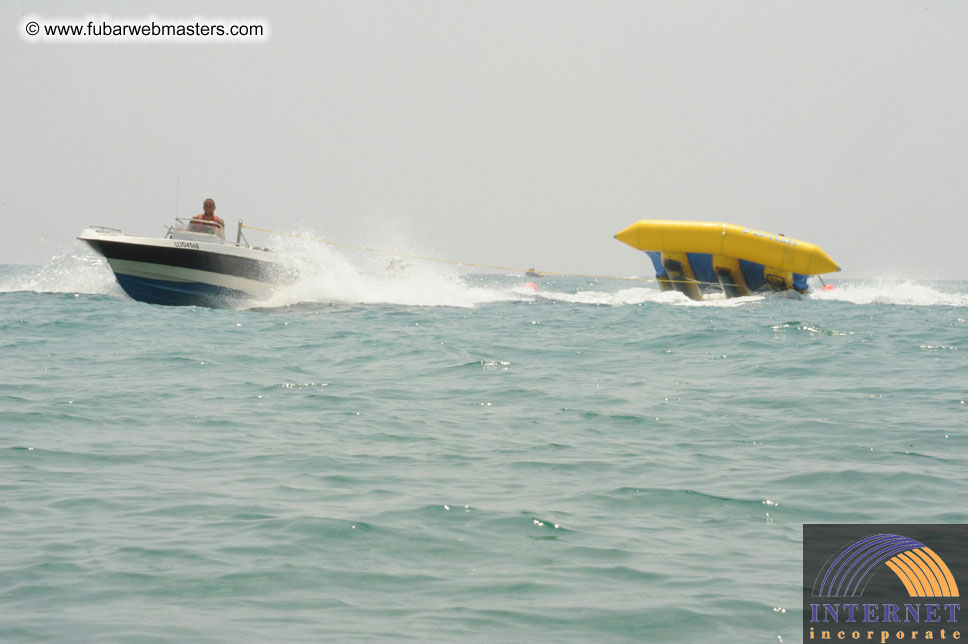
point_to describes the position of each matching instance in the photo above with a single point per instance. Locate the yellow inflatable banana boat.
(691, 255)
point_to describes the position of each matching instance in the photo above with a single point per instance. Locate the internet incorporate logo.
(906, 586)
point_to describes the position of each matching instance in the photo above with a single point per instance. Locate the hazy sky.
(513, 133)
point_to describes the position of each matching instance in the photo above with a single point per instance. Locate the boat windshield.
(198, 229)
(206, 226)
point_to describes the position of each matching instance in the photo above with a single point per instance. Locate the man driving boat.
(208, 222)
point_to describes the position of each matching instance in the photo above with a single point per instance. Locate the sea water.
(434, 455)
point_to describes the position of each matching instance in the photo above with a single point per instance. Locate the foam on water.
(77, 270)
(638, 296)
(327, 274)
(905, 292)
(335, 275)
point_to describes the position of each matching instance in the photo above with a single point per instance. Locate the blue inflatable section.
(702, 267)
(702, 270)
(753, 274)
(177, 293)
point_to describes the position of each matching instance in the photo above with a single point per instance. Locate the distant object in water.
(190, 265)
(396, 267)
(690, 255)
(532, 285)
(532, 273)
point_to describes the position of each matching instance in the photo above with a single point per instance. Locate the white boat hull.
(179, 272)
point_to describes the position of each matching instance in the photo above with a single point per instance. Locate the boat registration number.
(185, 244)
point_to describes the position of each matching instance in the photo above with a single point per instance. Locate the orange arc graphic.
(902, 575)
(926, 577)
(904, 568)
(952, 585)
(928, 563)
(923, 573)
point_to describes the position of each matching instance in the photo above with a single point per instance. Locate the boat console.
(197, 230)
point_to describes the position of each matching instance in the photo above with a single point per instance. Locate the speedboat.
(693, 257)
(191, 265)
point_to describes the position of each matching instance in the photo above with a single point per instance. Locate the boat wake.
(335, 279)
(330, 275)
(643, 295)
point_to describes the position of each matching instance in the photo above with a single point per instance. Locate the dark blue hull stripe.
(155, 291)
